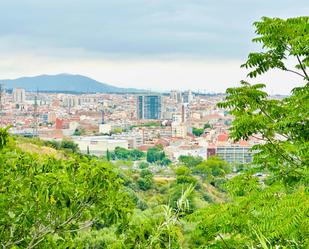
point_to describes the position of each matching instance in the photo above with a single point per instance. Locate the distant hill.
(64, 83)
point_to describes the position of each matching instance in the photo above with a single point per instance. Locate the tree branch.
(302, 67)
(292, 71)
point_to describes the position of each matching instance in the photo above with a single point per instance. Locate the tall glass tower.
(149, 106)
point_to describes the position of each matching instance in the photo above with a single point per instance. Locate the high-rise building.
(19, 95)
(149, 106)
(176, 96)
(187, 97)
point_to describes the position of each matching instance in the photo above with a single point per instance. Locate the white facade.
(19, 95)
(98, 145)
(179, 130)
(105, 128)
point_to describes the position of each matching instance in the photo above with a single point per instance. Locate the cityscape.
(154, 124)
(184, 123)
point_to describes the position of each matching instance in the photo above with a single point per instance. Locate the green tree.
(165, 161)
(145, 182)
(183, 170)
(190, 161)
(155, 154)
(125, 154)
(197, 131)
(136, 154)
(45, 201)
(257, 212)
(4, 137)
(282, 125)
(207, 125)
(117, 131)
(143, 165)
(108, 155)
(78, 132)
(67, 144)
(213, 166)
(269, 213)
(121, 153)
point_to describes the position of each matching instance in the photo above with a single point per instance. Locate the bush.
(183, 171)
(145, 183)
(143, 165)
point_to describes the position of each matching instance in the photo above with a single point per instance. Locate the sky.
(150, 44)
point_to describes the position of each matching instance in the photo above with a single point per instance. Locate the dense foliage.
(45, 200)
(58, 198)
(157, 155)
(124, 154)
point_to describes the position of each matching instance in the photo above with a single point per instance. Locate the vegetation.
(148, 124)
(145, 182)
(157, 155)
(45, 201)
(207, 125)
(190, 161)
(81, 201)
(197, 131)
(200, 131)
(124, 154)
(79, 132)
(213, 167)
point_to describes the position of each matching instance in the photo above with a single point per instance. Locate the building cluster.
(100, 122)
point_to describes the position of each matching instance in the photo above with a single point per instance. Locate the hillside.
(64, 83)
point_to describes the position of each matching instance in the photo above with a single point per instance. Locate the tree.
(116, 131)
(124, 154)
(108, 155)
(271, 213)
(183, 170)
(282, 125)
(143, 165)
(145, 182)
(212, 167)
(207, 125)
(136, 154)
(155, 154)
(165, 161)
(255, 212)
(184, 177)
(4, 137)
(197, 131)
(45, 201)
(67, 144)
(190, 161)
(78, 132)
(121, 153)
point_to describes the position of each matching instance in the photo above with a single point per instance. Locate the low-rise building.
(98, 145)
(235, 153)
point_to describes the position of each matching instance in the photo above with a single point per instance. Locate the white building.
(98, 145)
(179, 130)
(105, 128)
(19, 95)
(235, 153)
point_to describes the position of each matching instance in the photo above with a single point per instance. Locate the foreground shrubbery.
(83, 202)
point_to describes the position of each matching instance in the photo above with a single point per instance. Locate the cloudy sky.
(150, 44)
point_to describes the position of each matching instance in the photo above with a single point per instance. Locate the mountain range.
(64, 83)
